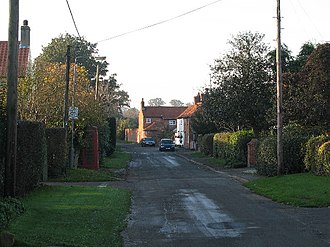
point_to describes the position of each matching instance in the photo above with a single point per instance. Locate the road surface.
(177, 203)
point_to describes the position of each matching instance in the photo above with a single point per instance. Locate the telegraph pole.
(280, 165)
(66, 94)
(12, 78)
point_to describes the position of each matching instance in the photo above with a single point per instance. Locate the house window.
(172, 122)
(148, 120)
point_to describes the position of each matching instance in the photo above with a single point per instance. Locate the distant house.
(158, 121)
(23, 53)
(185, 135)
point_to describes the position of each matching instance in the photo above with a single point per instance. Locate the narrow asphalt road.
(177, 203)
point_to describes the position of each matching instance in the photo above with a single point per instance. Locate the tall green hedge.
(316, 158)
(2, 151)
(232, 147)
(323, 159)
(57, 152)
(113, 135)
(31, 156)
(294, 149)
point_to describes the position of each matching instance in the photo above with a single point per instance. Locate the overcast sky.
(170, 60)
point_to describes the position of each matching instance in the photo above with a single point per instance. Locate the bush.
(232, 147)
(294, 148)
(323, 159)
(206, 144)
(267, 156)
(112, 137)
(10, 208)
(31, 156)
(56, 152)
(313, 159)
(2, 145)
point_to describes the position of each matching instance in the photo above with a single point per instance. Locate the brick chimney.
(25, 35)
(142, 105)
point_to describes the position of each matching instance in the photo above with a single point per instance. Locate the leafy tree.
(312, 94)
(202, 121)
(176, 102)
(81, 49)
(287, 60)
(129, 120)
(41, 96)
(243, 93)
(156, 102)
(112, 97)
(305, 51)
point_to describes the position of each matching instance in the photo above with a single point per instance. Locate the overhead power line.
(74, 22)
(160, 22)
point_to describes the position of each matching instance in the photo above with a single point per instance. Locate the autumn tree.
(112, 98)
(41, 96)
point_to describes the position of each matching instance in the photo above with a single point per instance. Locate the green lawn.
(73, 216)
(303, 190)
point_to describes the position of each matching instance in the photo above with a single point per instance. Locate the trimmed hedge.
(2, 152)
(317, 155)
(294, 149)
(232, 147)
(57, 152)
(323, 159)
(31, 156)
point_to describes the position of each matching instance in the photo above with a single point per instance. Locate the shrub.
(10, 208)
(206, 144)
(31, 156)
(294, 148)
(323, 159)
(56, 152)
(2, 147)
(232, 147)
(112, 137)
(266, 156)
(311, 155)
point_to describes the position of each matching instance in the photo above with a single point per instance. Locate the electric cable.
(160, 22)
(74, 22)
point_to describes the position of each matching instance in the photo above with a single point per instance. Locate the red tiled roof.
(189, 111)
(165, 112)
(23, 59)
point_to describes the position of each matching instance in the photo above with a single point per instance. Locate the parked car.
(166, 144)
(147, 141)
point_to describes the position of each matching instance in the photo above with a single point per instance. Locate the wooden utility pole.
(12, 78)
(280, 165)
(66, 93)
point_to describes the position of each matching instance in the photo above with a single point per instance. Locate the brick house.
(185, 135)
(23, 54)
(158, 121)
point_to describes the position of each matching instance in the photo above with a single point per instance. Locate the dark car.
(166, 145)
(148, 141)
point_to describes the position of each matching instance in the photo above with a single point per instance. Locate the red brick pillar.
(252, 153)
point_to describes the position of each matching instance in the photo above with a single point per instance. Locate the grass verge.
(303, 190)
(85, 175)
(73, 216)
(212, 160)
(118, 160)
